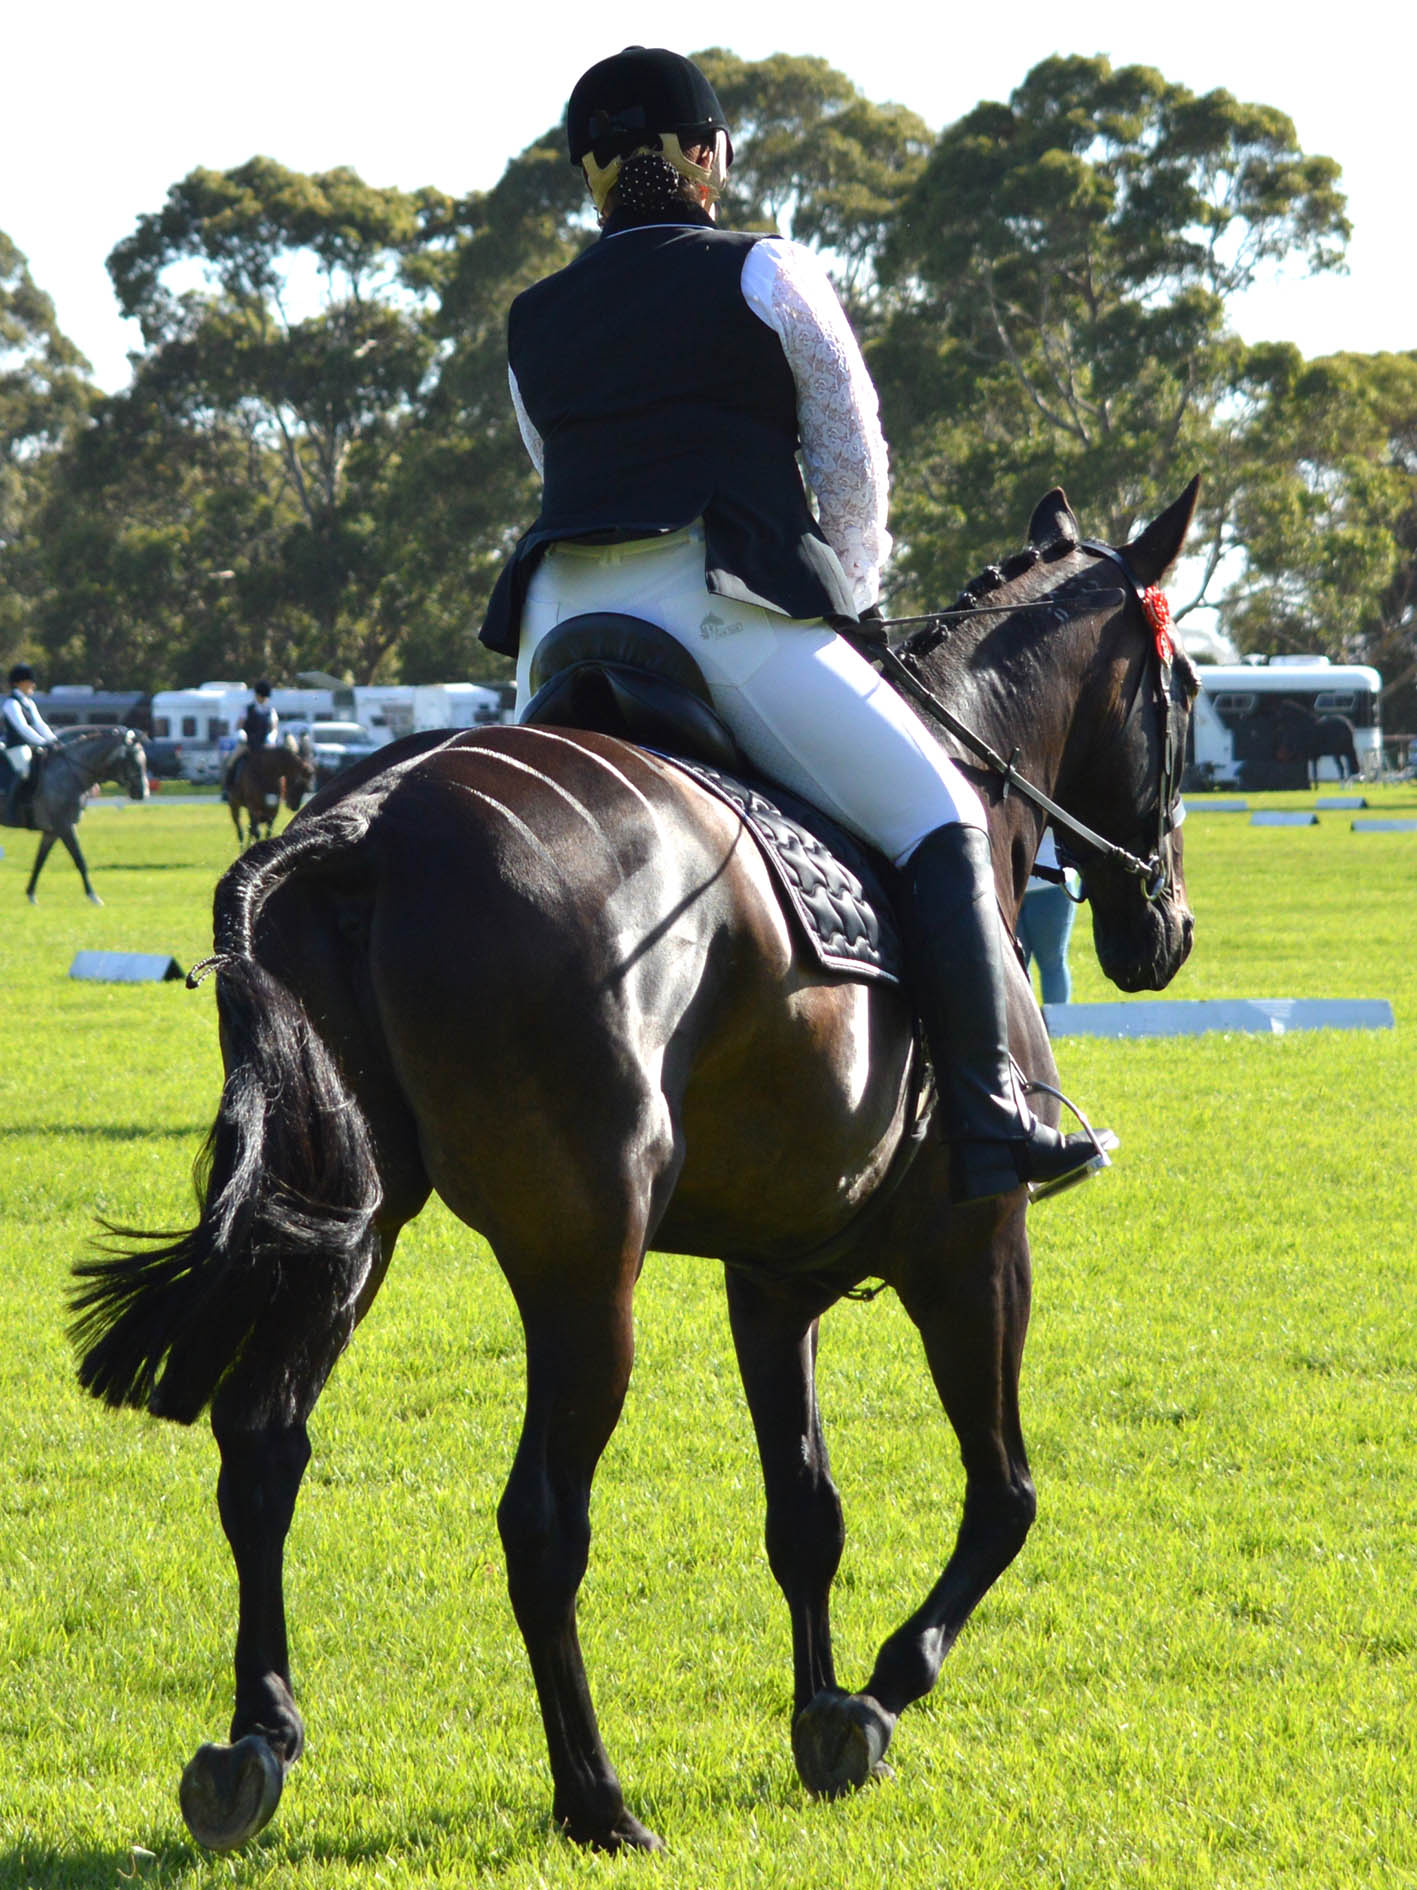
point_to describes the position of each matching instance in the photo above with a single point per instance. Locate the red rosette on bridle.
(1158, 614)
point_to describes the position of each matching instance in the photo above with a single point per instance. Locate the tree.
(1061, 272)
(309, 338)
(1327, 516)
(44, 392)
(816, 161)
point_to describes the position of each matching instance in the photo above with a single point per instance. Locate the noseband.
(1154, 872)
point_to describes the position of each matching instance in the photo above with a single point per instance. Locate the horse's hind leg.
(972, 1313)
(76, 854)
(580, 1346)
(775, 1333)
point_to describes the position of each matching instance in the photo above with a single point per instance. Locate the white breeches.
(806, 708)
(19, 759)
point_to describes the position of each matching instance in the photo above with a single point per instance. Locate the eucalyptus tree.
(1327, 517)
(291, 313)
(44, 392)
(1061, 274)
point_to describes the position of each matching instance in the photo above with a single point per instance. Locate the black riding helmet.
(639, 91)
(21, 673)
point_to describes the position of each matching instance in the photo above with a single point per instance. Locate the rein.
(1153, 872)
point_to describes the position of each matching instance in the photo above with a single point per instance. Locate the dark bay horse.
(84, 757)
(545, 974)
(283, 771)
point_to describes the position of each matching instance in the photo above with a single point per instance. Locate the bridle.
(900, 665)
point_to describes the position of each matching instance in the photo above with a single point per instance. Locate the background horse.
(1299, 737)
(266, 777)
(66, 773)
(1333, 739)
(545, 973)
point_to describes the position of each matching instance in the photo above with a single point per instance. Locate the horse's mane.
(992, 578)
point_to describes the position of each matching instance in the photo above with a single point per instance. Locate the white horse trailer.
(1279, 723)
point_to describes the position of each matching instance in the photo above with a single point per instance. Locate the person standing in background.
(1045, 924)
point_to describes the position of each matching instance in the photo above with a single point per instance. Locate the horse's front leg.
(972, 1314)
(229, 1792)
(775, 1333)
(580, 1345)
(76, 854)
(46, 841)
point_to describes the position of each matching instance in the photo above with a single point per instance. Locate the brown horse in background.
(261, 778)
(546, 974)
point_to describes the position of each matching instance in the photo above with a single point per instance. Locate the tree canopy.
(1061, 271)
(317, 466)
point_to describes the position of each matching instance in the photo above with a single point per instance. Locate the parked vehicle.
(1268, 724)
(164, 757)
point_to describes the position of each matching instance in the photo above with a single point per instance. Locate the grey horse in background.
(66, 774)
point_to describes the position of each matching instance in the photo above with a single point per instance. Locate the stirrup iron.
(1103, 1141)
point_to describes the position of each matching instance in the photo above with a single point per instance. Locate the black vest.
(256, 725)
(661, 398)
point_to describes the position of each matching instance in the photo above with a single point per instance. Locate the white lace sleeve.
(530, 437)
(838, 415)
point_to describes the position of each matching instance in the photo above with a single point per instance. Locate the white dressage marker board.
(1379, 825)
(126, 967)
(1208, 804)
(1336, 803)
(1279, 817)
(1171, 1017)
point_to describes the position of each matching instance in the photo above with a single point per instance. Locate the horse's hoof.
(228, 1793)
(839, 1742)
(626, 1834)
(94, 900)
(33, 901)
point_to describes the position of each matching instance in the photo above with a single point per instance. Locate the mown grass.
(1200, 1670)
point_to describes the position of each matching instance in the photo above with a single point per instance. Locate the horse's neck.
(87, 755)
(1018, 686)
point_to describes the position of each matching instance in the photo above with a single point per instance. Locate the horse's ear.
(1053, 522)
(1157, 548)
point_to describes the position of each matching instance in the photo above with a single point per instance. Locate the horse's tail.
(288, 1190)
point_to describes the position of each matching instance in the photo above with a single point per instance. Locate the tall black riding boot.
(955, 951)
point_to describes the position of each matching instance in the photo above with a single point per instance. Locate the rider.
(24, 730)
(257, 729)
(664, 383)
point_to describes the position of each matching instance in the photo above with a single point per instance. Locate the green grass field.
(1202, 1670)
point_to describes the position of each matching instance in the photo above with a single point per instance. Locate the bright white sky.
(107, 106)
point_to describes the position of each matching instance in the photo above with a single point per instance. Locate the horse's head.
(1122, 771)
(299, 776)
(133, 766)
(1058, 672)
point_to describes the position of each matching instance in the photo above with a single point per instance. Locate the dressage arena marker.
(1385, 826)
(1207, 804)
(1193, 1017)
(1278, 818)
(1335, 803)
(126, 967)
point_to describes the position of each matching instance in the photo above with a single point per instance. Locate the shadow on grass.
(45, 1867)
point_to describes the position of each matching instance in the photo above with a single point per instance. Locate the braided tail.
(270, 1276)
